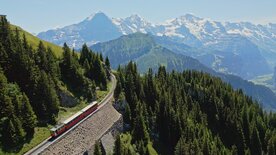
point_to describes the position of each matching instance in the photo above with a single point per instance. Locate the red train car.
(73, 120)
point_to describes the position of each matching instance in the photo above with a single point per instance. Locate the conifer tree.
(271, 147)
(85, 55)
(107, 63)
(256, 145)
(180, 147)
(118, 148)
(139, 128)
(14, 132)
(127, 114)
(28, 116)
(97, 149)
(47, 97)
(3, 56)
(101, 57)
(52, 68)
(41, 58)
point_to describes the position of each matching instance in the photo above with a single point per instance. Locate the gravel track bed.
(83, 136)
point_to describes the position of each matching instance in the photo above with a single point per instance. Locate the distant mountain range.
(274, 78)
(242, 49)
(147, 53)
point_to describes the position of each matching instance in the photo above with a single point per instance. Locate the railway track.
(46, 143)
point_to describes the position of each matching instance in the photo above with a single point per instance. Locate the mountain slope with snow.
(242, 49)
(95, 28)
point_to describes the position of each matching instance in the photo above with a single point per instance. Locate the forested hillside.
(142, 49)
(189, 113)
(32, 80)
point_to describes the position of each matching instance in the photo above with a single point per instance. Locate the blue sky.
(40, 15)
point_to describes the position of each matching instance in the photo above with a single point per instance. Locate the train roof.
(72, 117)
(78, 113)
(57, 127)
(89, 106)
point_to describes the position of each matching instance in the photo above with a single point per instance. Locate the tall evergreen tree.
(14, 133)
(85, 55)
(107, 63)
(47, 97)
(28, 116)
(97, 149)
(118, 148)
(256, 145)
(139, 129)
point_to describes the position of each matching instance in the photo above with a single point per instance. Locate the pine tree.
(29, 117)
(14, 132)
(101, 57)
(47, 97)
(89, 90)
(5, 101)
(99, 75)
(41, 58)
(87, 69)
(127, 114)
(9, 139)
(139, 129)
(97, 149)
(118, 89)
(180, 149)
(256, 145)
(107, 63)
(85, 55)
(271, 147)
(3, 56)
(141, 147)
(118, 148)
(53, 68)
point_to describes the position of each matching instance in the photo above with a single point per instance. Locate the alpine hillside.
(39, 82)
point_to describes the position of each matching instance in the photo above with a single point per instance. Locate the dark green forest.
(32, 78)
(189, 112)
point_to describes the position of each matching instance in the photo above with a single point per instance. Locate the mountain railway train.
(73, 120)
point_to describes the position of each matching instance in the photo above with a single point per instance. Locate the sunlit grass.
(34, 41)
(101, 94)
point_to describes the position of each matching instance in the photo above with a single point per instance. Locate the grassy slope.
(34, 41)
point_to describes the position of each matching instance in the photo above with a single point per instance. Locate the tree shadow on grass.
(18, 147)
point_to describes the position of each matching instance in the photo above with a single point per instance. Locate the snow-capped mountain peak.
(134, 18)
(190, 17)
(98, 14)
(188, 29)
(234, 41)
(132, 24)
